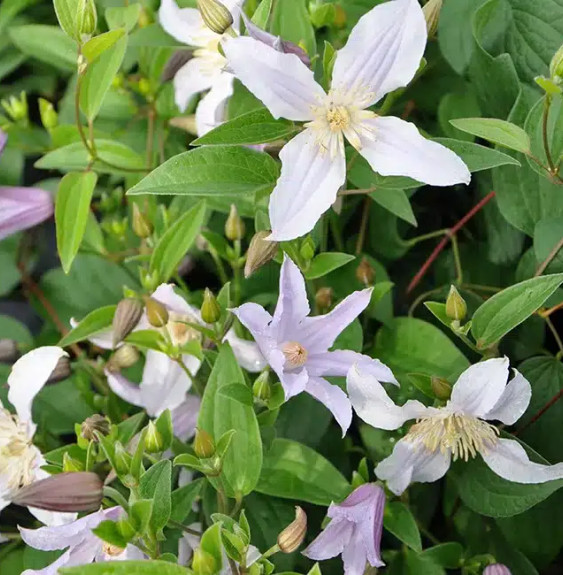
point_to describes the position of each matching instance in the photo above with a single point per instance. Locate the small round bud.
(215, 15)
(260, 252)
(49, 117)
(204, 446)
(144, 87)
(261, 387)
(234, 226)
(365, 273)
(127, 316)
(431, 11)
(210, 310)
(95, 423)
(203, 563)
(62, 370)
(154, 442)
(124, 357)
(8, 350)
(556, 66)
(157, 314)
(142, 226)
(440, 387)
(456, 308)
(324, 298)
(290, 539)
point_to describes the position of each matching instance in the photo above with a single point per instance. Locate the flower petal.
(354, 555)
(333, 398)
(383, 51)
(210, 111)
(480, 386)
(166, 295)
(247, 352)
(307, 187)
(509, 460)
(124, 388)
(281, 81)
(330, 542)
(53, 568)
(103, 339)
(398, 149)
(254, 317)
(184, 417)
(28, 376)
(513, 402)
(23, 208)
(184, 24)
(191, 79)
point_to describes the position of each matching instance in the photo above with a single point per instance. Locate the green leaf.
(256, 127)
(547, 235)
(211, 544)
(220, 413)
(399, 521)
(291, 21)
(212, 171)
(294, 471)
(396, 202)
(438, 310)
(152, 567)
(477, 157)
(417, 564)
(176, 241)
(449, 555)
(69, 17)
(510, 307)
(99, 44)
(11, 328)
(324, 263)
(183, 499)
(109, 532)
(155, 484)
(123, 17)
(496, 131)
(96, 321)
(72, 208)
(262, 14)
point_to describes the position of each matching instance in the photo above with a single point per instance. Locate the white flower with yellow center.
(382, 54)
(459, 430)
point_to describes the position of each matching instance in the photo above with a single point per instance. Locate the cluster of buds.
(16, 108)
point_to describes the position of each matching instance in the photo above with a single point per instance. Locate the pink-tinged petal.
(412, 462)
(354, 555)
(184, 417)
(247, 352)
(398, 149)
(480, 387)
(183, 24)
(335, 400)
(281, 81)
(191, 79)
(307, 187)
(210, 111)
(23, 208)
(513, 402)
(124, 388)
(509, 460)
(383, 51)
(497, 569)
(28, 376)
(330, 542)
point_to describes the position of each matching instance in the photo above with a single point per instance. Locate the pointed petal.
(354, 555)
(307, 187)
(210, 111)
(383, 51)
(333, 398)
(371, 528)
(28, 376)
(124, 388)
(53, 568)
(509, 460)
(247, 352)
(166, 295)
(254, 317)
(281, 81)
(103, 339)
(184, 417)
(513, 402)
(330, 542)
(23, 208)
(184, 24)
(191, 79)
(398, 149)
(479, 387)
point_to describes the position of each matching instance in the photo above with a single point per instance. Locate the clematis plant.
(382, 54)
(459, 430)
(297, 346)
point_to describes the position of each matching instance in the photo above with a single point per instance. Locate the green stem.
(457, 260)
(428, 236)
(545, 119)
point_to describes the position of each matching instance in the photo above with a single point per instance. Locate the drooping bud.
(234, 226)
(71, 465)
(259, 253)
(203, 563)
(49, 117)
(65, 492)
(8, 350)
(556, 66)
(124, 357)
(431, 12)
(62, 370)
(204, 446)
(210, 310)
(154, 442)
(440, 387)
(497, 569)
(365, 273)
(88, 18)
(456, 308)
(324, 298)
(127, 316)
(261, 387)
(142, 226)
(95, 423)
(293, 535)
(157, 314)
(216, 15)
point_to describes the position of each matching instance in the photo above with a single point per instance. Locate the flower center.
(17, 454)
(295, 354)
(112, 550)
(463, 435)
(338, 118)
(179, 330)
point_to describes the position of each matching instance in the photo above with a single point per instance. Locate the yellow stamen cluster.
(295, 354)
(179, 330)
(338, 118)
(112, 550)
(17, 454)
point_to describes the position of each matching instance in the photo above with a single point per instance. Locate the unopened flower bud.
(127, 316)
(144, 87)
(365, 273)
(178, 60)
(556, 66)
(95, 423)
(122, 459)
(88, 18)
(8, 350)
(142, 226)
(440, 387)
(324, 298)
(154, 442)
(216, 15)
(456, 308)
(234, 226)
(210, 310)
(65, 492)
(157, 314)
(497, 569)
(203, 563)
(70, 464)
(124, 357)
(49, 117)
(62, 370)
(204, 446)
(144, 18)
(261, 387)
(431, 12)
(293, 535)
(16, 107)
(307, 250)
(259, 253)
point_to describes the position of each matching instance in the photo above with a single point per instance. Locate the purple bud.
(497, 569)
(22, 208)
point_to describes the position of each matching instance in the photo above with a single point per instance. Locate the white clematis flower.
(459, 430)
(20, 460)
(383, 53)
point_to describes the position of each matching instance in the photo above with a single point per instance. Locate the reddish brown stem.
(549, 404)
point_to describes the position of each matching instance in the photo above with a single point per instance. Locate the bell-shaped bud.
(95, 424)
(154, 442)
(65, 492)
(125, 356)
(556, 66)
(261, 387)
(431, 11)
(8, 350)
(234, 226)
(204, 446)
(216, 15)
(259, 253)
(365, 273)
(324, 298)
(70, 464)
(127, 316)
(142, 226)
(49, 117)
(456, 308)
(62, 370)
(157, 314)
(88, 18)
(290, 539)
(441, 387)
(203, 563)
(210, 310)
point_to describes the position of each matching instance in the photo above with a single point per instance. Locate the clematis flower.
(459, 430)
(296, 346)
(354, 531)
(497, 569)
(383, 53)
(22, 208)
(20, 460)
(83, 546)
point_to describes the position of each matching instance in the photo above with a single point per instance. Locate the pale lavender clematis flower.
(20, 460)
(383, 53)
(497, 569)
(459, 430)
(296, 346)
(83, 546)
(22, 208)
(354, 531)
